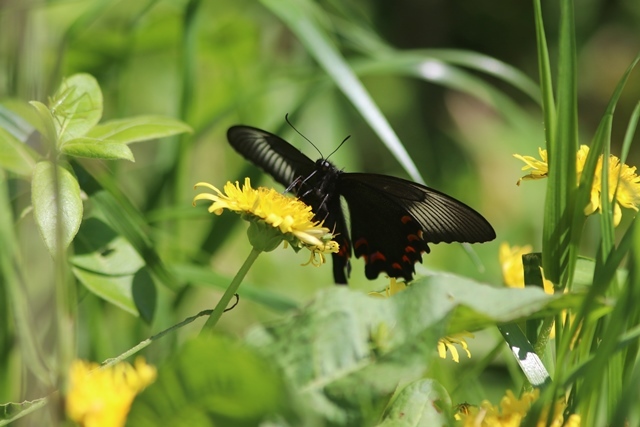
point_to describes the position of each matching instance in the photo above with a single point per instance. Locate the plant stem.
(230, 292)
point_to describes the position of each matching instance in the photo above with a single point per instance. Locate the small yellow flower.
(274, 218)
(624, 183)
(102, 397)
(511, 412)
(539, 168)
(512, 268)
(447, 344)
(444, 344)
(393, 288)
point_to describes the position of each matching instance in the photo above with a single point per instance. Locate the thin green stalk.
(230, 292)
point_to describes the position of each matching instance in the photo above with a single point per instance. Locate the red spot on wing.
(413, 237)
(396, 266)
(361, 241)
(406, 259)
(406, 219)
(377, 256)
(408, 249)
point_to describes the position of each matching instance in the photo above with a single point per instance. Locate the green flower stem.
(230, 292)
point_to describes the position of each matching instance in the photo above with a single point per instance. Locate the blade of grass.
(297, 17)
(557, 252)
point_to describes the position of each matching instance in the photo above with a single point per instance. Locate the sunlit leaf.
(97, 149)
(139, 128)
(50, 201)
(76, 106)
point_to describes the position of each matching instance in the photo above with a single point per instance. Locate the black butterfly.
(392, 219)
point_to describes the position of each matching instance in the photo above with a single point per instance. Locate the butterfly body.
(392, 220)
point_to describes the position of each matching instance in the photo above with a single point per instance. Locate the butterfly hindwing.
(271, 153)
(393, 220)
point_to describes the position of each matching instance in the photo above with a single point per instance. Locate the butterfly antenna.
(343, 141)
(286, 117)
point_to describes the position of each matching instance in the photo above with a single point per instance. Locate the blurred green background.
(218, 63)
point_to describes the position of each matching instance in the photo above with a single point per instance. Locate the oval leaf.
(47, 125)
(423, 403)
(97, 149)
(139, 128)
(45, 198)
(76, 106)
(115, 289)
(212, 381)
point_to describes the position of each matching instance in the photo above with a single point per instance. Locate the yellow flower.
(624, 183)
(102, 397)
(512, 268)
(539, 168)
(393, 288)
(274, 218)
(511, 412)
(447, 344)
(444, 344)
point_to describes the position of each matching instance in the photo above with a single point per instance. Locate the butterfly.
(392, 219)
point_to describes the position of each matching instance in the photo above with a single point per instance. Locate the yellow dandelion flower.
(444, 344)
(539, 168)
(273, 218)
(511, 412)
(102, 397)
(624, 182)
(449, 344)
(512, 268)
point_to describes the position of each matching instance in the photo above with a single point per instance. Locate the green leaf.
(108, 266)
(115, 289)
(56, 206)
(76, 106)
(97, 149)
(136, 129)
(346, 352)
(46, 123)
(16, 156)
(212, 381)
(558, 252)
(422, 403)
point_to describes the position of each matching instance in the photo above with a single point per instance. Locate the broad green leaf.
(76, 106)
(98, 248)
(347, 348)
(115, 289)
(15, 156)
(46, 123)
(136, 129)
(422, 403)
(212, 381)
(49, 202)
(109, 267)
(97, 149)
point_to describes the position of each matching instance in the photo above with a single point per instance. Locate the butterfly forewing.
(271, 153)
(441, 218)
